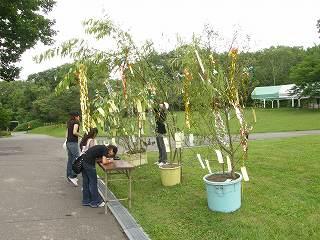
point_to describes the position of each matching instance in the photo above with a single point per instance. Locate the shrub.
(24, 126)
(5, 134)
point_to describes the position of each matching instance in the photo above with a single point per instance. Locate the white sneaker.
(102, 204)
(161, 164)
(74, 181)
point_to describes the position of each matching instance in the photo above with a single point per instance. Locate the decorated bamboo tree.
(218, 93)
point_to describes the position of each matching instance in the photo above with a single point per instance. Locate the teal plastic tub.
(223, 196)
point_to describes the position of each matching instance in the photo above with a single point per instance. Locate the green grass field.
(53, 130)
(268, 120)
(281, 200)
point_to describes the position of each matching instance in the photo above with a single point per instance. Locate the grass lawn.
(52, 130)
(281, 201)
(268, 120)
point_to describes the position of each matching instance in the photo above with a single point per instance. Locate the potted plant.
(217, 115)
(156, 75)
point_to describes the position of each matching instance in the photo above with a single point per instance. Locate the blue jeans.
(73, 153)
(162, 148)
(90, 185)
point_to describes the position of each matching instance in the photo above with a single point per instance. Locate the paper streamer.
(200, 161)
(208, 166)
(229, 164)
(244, 174)
(166, 143)
(219, 155)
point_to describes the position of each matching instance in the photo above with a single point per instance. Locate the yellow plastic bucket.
(170, 174)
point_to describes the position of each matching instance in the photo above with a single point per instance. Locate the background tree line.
(36, 98)
(24, 23)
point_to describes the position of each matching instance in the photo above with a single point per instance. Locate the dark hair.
(73, 115)
(91, 134)
(113, 147)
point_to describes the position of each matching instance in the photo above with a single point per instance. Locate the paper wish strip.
(166, 143)
(139, 106)
(229, 164)
(191, 140)
(101, 111)
(200, 161)
(178, 139)
(244, 174)
(208, 166)
(219, 155)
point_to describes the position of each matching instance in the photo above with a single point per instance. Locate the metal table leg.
(106, 192)
(129, 188)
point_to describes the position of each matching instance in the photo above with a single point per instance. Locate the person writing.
(95, 153)
(72, 135)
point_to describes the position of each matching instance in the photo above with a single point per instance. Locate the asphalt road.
(37, 202)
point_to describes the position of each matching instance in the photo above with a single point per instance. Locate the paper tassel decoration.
(84, 99)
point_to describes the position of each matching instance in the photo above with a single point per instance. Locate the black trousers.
(162, 148)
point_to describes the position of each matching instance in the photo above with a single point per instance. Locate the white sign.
(200, 161)
(166, 143)
(208, 166)
(244, 174)
(219, 155)
(229, 164)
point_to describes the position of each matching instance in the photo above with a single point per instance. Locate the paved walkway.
(36, 200)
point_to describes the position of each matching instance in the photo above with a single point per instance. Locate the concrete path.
(263, 136)
(37, 202)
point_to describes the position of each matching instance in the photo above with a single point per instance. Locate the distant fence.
(54, 123)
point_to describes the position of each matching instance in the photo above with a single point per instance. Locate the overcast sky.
(269, 22)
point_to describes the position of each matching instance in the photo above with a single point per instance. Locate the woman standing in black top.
(160, 117)
(73, 126)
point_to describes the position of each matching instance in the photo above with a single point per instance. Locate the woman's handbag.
(64, 145)
(77, 165)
